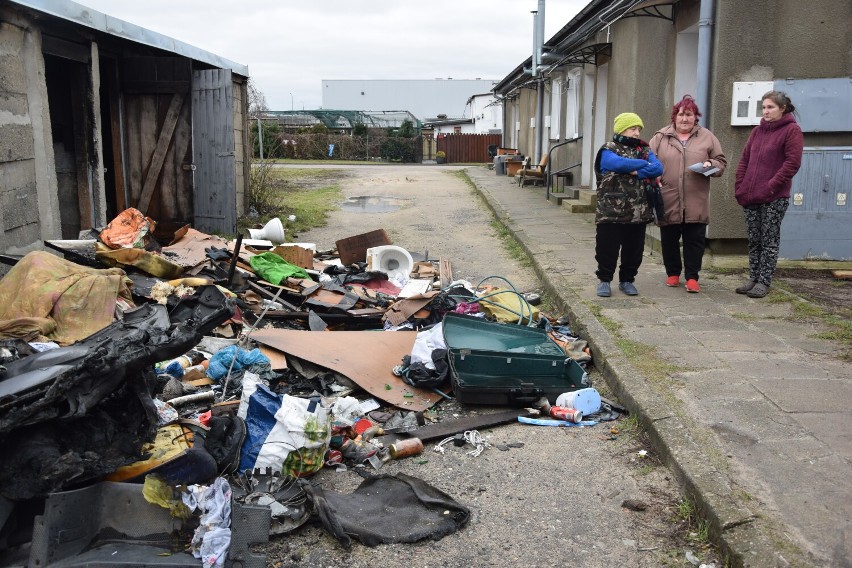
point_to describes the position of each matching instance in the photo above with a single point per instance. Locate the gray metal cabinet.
(818, 224)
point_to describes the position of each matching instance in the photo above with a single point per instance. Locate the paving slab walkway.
(751, 411)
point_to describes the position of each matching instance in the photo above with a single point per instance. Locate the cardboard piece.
(365, 357)
(423, 269)
(354, 248)
(296, 255)
(415, 287)
(400, 311)
(188, 250)
(277, 359)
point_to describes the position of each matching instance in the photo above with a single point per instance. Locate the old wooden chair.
(533, 173)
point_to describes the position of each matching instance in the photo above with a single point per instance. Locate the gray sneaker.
(604, 290)
(628, 288)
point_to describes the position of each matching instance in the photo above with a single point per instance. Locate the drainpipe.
(705, 48)
(539, 117)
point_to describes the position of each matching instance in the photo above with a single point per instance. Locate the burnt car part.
(111, 524)
(72, 409)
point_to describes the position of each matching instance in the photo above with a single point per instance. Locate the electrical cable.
(484, 299)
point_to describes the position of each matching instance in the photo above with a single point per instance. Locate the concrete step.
(583, 200)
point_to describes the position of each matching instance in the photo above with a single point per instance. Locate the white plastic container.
(587, 400)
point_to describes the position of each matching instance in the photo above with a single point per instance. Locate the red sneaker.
(673, 281)
(692, 286)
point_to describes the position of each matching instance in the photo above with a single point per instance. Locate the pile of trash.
(181, 381)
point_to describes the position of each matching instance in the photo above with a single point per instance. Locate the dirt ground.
(538, 496)
(820, 287)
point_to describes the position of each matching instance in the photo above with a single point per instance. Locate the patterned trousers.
(763, 223)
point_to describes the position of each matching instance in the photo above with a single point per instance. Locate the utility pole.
(291, 102)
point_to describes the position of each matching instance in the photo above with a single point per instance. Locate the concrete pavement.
(747, 407)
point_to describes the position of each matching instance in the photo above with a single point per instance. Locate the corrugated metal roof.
(85, 16)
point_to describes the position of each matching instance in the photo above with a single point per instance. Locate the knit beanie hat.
(626, 120)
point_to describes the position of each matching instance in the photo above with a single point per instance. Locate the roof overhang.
(653, 8)
(587, 54)
(85, 16)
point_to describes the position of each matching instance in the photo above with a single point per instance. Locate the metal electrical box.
(818, 223)
(822, 105)
(746, 107)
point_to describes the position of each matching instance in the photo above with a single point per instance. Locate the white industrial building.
(424, 99)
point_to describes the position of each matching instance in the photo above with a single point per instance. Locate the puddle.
(373, 204)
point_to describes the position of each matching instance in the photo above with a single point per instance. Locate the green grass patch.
(512, 246)
(629, 426)
(548, 304)
(727, 270)
(838, 329)
(462, 175)
(311, 207)
(698, 529)
(292, 161)
(645, 359)
(509, 242)
(646, 469)
(308, 193)
(746, 317)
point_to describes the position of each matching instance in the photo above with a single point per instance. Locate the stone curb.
(745, 538)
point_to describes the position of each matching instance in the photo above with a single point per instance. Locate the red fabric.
(129, 229)
(383, 286)
(205, 418)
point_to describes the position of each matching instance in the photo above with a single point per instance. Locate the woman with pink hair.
(685, 192)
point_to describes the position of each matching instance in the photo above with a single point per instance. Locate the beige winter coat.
(686, 193)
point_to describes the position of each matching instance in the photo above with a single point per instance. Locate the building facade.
(642, 56)
(98, 115)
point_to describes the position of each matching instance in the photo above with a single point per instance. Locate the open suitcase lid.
(469, 332)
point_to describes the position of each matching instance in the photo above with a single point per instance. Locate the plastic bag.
(286, 433)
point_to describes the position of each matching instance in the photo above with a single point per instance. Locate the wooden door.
(158, 136)
(215, 209)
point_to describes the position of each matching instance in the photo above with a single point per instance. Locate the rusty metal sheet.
(365, 357)
(354, 249)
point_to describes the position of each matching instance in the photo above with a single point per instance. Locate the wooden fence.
(467, 147)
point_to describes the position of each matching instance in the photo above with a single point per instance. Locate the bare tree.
(261, 194)
(256, 99)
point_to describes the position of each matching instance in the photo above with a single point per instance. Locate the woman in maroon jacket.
(770, 159)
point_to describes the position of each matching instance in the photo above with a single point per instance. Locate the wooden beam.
(445, 272)
(115, 130)
(159, 155)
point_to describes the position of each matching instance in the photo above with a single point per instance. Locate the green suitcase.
(506, 364)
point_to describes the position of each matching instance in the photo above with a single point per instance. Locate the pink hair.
(686, 103)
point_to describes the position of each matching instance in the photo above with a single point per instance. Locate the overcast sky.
(290, 47)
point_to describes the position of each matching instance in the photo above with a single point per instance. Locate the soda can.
(567, 414)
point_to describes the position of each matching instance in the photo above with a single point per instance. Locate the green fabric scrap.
(274, 269)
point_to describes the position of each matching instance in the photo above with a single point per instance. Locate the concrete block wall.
(19, 222)
(27, 180)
